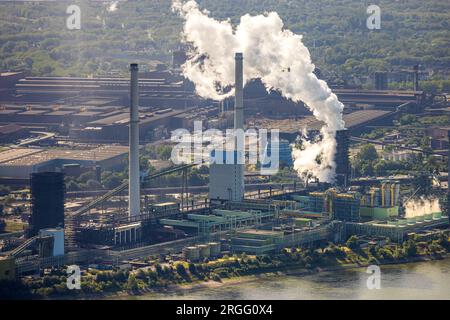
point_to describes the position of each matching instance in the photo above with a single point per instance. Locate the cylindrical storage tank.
(420, 218)
(402, 222)
(214, 249)
(191, 253)
(428, 216)
(411, 220)
(204, 250)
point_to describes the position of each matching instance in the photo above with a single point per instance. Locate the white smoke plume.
(112, 6)
(275, 55)
(421, 206)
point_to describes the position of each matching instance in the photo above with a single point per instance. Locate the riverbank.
(179, 276)
(185, 289)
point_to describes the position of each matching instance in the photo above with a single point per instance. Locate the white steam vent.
(421, 206)
(275, 55)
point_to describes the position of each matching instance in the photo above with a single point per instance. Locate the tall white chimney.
(134, 193)
(238, 188)
(239, 92)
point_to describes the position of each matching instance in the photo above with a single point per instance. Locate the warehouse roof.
(21, 158)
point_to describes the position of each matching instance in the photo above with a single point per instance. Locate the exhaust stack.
(134, 194)
(239, 93)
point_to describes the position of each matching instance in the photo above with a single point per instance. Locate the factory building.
(345, 206)
(331, 204)
(284, 153)
(7, 269)
(12, 132)
(21, 162)
(226, 180)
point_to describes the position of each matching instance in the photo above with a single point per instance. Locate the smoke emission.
(112, 6)
(275, 55)
(421, 206)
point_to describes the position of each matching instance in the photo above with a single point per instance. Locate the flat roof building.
(21, 162)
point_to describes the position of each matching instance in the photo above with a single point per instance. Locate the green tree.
(352, 242)
(367, 153)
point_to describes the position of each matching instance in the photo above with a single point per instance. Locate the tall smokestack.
(342, 158)
(239, 92)
(134, 194)
(448, 178)
(239, 188)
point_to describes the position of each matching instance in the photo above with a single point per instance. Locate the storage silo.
(191, 253)
(214, 249)
(205, 251)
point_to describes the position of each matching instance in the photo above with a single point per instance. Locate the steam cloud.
(276, 56)
(112, 6)
(421, 206)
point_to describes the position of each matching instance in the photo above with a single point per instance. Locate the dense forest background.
(34, 37)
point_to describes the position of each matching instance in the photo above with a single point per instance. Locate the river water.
(422, 280)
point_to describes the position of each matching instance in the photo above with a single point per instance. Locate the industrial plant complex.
(63, 127)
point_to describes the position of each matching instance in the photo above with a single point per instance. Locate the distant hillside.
(33, 36)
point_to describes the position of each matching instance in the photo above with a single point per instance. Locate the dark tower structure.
(342, 158)
(416, 78)
(381, 80)
(47, 201)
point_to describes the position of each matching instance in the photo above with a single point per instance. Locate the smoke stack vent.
(134, 193)
(239, 93)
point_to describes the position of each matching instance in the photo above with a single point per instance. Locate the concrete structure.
(58, 239)
(7, 269)
(398, 155)
(127, 234)
(226, 180)
(377, 213)
(227, 167)
(134, 202)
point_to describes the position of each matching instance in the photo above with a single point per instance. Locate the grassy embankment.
(97, 284)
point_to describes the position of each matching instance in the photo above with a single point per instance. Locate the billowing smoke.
(277, 57)
(421, 206)
(112, 6)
